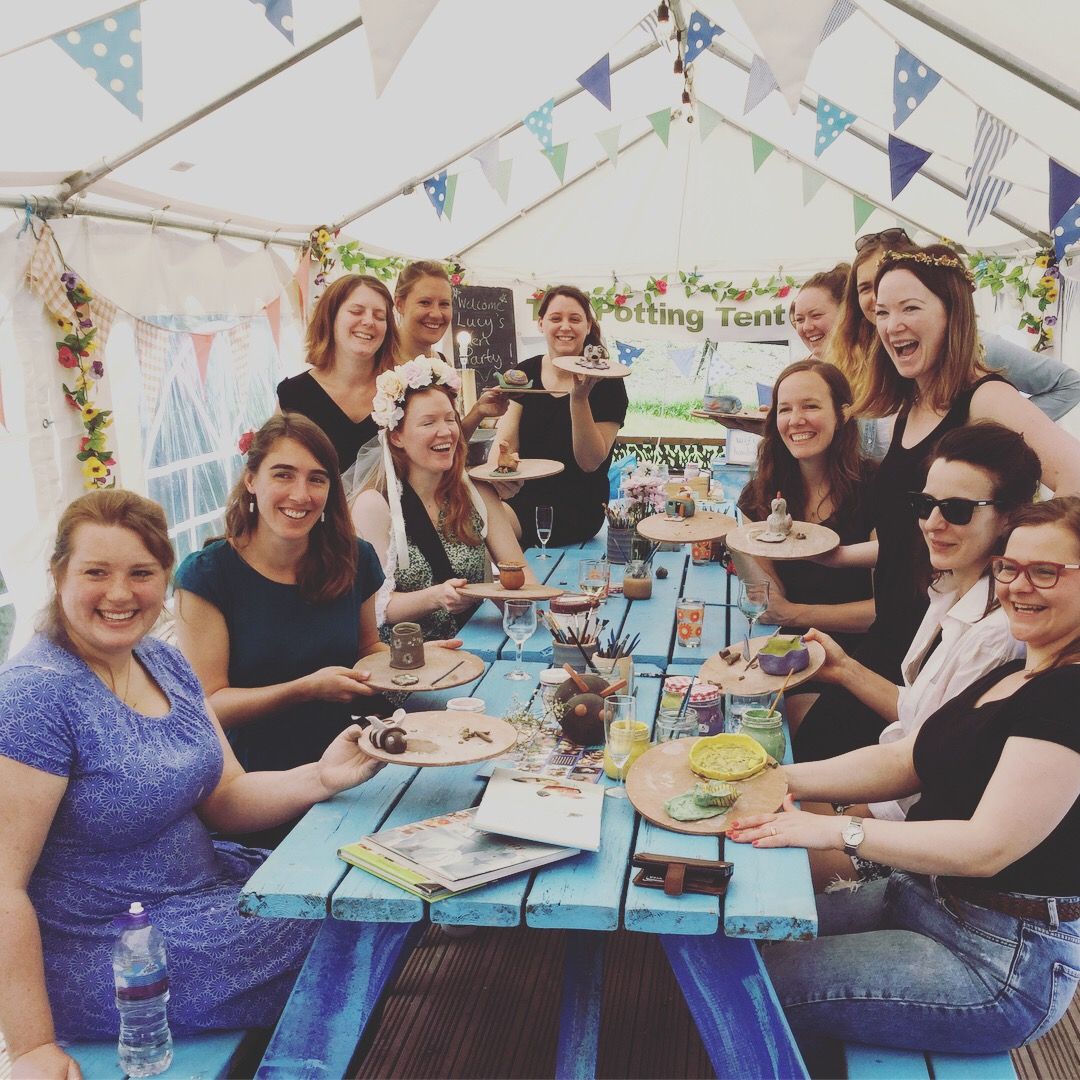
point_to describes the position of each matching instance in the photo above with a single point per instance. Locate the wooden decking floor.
(487, 1006)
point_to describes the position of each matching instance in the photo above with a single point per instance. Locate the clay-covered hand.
(46, 1062)
(490, 404)
(447, 643)
(835, 657)
(343, 764)
(446, 597)
(583, 385)
(337, 683)
(789, 828)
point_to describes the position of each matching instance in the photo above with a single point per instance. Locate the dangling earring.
(251, 505)
(322, 517)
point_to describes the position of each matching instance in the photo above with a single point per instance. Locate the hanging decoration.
(279, 15)
(609, 140)
(661, 123)
(451, 191)
(1064, 191)
(1037, 282)
(320, 245)
(683, 360)
(905, 160)
(760, 84)
(831, 120)
(539, 123)
(390, 29)
(709, 119)
(912, 81)
(435, 188)
(811, 183)
(700, 34)
(984, 190)
(110, 48)
(761, 148)
(1067, 231)
(557, 156)
(627, 353)
(862, 210)
(597, 80)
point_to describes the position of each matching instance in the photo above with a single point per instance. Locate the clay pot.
(511, 575)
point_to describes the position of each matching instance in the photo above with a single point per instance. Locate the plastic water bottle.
(716, 473)
(142, 991)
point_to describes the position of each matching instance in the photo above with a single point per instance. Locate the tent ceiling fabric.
(313, 145)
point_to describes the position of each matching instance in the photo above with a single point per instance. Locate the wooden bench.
(877, 1063)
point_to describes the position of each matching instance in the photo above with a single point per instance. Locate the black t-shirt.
(303, 394)
(957, 751)
(545, 432)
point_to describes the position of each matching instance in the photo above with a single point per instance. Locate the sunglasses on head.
(886, 236)
(954, 511)
(1043, 575)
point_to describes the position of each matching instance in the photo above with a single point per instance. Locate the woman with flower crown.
(434, 531)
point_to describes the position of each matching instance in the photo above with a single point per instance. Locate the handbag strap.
(422, 533)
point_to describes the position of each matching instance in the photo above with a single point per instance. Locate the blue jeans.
(900, 965)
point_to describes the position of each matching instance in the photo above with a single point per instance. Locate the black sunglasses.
(887, 236)
(954, 511)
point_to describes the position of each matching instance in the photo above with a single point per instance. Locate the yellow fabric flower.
(93, 469)
(1047, 280)
(89, 413)
(65, 325)
(90, 347)
(1042, 261)
(1048, 333)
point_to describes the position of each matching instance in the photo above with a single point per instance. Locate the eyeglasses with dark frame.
(955, 511)
(1040, 575)
(887, 236)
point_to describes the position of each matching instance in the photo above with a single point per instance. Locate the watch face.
(853, 834)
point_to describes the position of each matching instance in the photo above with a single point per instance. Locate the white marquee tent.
(188, 221)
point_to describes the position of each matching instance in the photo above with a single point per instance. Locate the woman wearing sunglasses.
(979, 476)
(973, 943)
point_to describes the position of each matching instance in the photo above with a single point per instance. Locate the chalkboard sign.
(487, 313)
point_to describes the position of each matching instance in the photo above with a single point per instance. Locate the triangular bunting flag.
(700, 33)
(787, 35)
(761, 83)
(502, 179)
(435, 186)
(597, 80)
(811, 183)
(627, 353)
(912, 81)
(984, 190)
(661, 123)
(762, 148)
(841, 12)
(451, 191)
(683, 359)
(1066, 232)
(708, 119)
(831, 120)
(302, 277)
(1064, 191)
(557, 156)
(905, 160)
(111, 49)
(273, 317)
(539, 123)
(238, 338)
(391, 29)
(488, 156)
(203, 344)
(279, 14)
(609, 140)
(863, 210)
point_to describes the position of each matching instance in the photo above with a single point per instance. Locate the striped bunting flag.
(984, 190)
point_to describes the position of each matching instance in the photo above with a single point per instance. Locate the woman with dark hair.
(112, 770)
(816, 306)
(351, 340)
(576, 425)
(433, 530)
(277, 617)
(972, 945)
(809, 453)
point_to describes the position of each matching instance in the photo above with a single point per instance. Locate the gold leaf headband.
(948, 262)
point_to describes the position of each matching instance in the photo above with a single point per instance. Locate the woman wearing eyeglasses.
(979, 476)
(973, 943)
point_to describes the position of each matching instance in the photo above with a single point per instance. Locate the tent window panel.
(184, 543)
(210, 486)
(171, 490)
(209, 530)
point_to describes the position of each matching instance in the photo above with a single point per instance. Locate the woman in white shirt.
(978, 476)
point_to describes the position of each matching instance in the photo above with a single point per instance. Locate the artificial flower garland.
(994, 274)
(75, 352)
(391, 387)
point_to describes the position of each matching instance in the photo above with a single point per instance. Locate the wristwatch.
(852, 835)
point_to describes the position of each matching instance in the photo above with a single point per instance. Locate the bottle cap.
(133, 919)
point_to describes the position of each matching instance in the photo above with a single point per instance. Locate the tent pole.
(407, 188)
(1032, 233)
(84, 178)
(986, 49)
(46, 207)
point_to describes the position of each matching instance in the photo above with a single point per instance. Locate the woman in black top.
(973, 946)
(576, 426)
(351, 340)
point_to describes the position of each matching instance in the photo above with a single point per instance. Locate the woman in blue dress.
(113, 768)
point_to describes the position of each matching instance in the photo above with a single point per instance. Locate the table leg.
(337, 991)
(734, 1006)
(579, 1013)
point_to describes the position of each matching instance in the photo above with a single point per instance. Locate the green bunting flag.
(863, 210)
(708, 119)
(661, 123)
(609, 140)
(557, 156)
(811, 183)
(501, 183)
(451, 190)
(762, 149)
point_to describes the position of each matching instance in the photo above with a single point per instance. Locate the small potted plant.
(643, 496)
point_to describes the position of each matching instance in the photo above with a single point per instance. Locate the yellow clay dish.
(727, 757)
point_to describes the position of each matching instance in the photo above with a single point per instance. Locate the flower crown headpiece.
(948, 262)
(392, 386)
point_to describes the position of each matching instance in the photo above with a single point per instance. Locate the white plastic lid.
(466, 704)
(553, 676)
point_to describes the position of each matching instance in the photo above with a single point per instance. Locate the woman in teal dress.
(434, 531)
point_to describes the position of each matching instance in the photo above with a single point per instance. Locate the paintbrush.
(448, 672)
(752, 661)
(780, 692)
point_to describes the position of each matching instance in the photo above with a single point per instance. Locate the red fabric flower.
(620, 300)
(84, 442)
(538, 294)
(741, 296)
(455, 279)
(245, 441)
(661, 286)
(66, 357)
(783, 291)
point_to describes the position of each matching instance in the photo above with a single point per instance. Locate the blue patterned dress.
(126, 829)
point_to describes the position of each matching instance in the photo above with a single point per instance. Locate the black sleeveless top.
(903, 566)
(302, 394)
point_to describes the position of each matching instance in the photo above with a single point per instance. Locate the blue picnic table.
(370, 926)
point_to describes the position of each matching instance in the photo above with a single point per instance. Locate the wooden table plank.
(654, 618)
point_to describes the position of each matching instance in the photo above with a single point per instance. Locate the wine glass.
(618, 737)
(545, 519)
(519, 622)
(753, 603)
(594, 577)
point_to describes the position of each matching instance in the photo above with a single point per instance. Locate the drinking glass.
(618, 737)
(519, 622)
(545, 519)
(753, 603)
(594, 577)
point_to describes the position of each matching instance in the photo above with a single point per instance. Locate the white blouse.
(971, 645)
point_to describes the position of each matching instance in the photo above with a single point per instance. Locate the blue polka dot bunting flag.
(1067, 231)
(279, 14)
(539, 123)
(435, 186)
(700, 33)
(109, 50)
(1064, 191)
(627, 353)
(831, 120)
(912, 81)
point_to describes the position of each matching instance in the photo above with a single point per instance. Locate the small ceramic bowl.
(511, 575)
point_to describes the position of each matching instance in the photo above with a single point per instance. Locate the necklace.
(111, 682)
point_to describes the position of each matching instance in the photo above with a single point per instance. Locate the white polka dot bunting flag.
(1067, 231)
(109, 50)
(912, 81)
(628, 353)
(699, 36)
(435, 186)
(539, 123)
(279, 14)
(831, 120)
